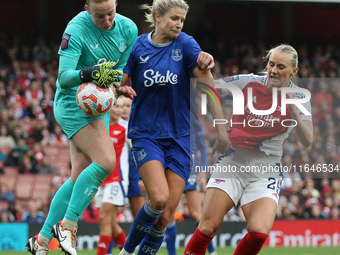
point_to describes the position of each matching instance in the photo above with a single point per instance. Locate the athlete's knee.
(104, 219)
(208, 228)
(109, 163)
(263, 227)
(158, 201)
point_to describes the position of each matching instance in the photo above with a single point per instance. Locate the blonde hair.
(285, 48)
(162, 7)
(96, 1)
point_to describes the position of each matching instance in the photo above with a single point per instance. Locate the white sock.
(43, 240)
(69, 224)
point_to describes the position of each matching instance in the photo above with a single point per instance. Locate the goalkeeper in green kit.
(95, 47)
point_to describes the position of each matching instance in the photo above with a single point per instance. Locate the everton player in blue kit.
(161, 65)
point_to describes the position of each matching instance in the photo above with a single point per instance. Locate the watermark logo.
(245, 98)
(202, 86)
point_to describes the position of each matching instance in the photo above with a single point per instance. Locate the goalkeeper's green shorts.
(70, 117)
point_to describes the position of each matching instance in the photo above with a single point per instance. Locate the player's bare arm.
(222, 144)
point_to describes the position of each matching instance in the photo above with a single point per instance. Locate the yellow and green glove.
(102, 74)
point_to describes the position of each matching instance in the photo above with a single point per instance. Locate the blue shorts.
(173, 153)
(192, 184)
(134, 178)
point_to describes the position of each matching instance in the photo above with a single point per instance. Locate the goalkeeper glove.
(102, 75)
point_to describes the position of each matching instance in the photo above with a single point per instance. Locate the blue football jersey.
(160, 75)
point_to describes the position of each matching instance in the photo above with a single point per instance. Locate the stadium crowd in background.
(26, 116)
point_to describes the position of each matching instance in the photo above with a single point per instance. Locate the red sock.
(120, 240)
(251, 243)
(103, 244)
(198, 243)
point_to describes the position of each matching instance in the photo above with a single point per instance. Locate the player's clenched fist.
(102, 74)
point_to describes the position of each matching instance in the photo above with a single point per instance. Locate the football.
(94, 100)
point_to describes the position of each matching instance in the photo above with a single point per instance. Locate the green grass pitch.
(220, 251)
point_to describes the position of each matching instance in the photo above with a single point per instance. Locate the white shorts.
(112, 193)
(247, 175)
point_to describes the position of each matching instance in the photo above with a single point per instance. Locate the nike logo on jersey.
(143, 60)
(116, 132)
(94, 47)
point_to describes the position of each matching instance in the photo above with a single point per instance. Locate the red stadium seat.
(26, 179)
(10, 180)
(11, 170)
(23, 191)
(44, 179)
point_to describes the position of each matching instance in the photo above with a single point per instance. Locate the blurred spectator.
(124, 214)
(34, 92)
(289, 175)
(3, 159)
(58, 137)
(55, 188)
(91, 213)
(323, 95)
(6, 194)
(38, 153)
(231, 216)
(309, 191)
(17, 133)
(5, 214)
(24, 53)
(3, 95)
(46, 167)
(33, 215)
(47, 106)
(316, 212)
(335, 214)
(46, 137)
(63, 174)
(35, 110)
(327, 209)
(6, 140)
(288, 212)
(17, 153)
(41, 52)
(40, 205)
(27, 166)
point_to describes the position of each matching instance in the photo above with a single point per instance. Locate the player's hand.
(102, 74)
(222, 145)
(205, 61)
(126, 91)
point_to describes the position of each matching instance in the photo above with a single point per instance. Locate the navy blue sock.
(211, 247)
(145, 218)
(109, 250)
(170, 236)
(152, 242)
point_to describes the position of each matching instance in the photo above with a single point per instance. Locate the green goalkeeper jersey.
(84, 45)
